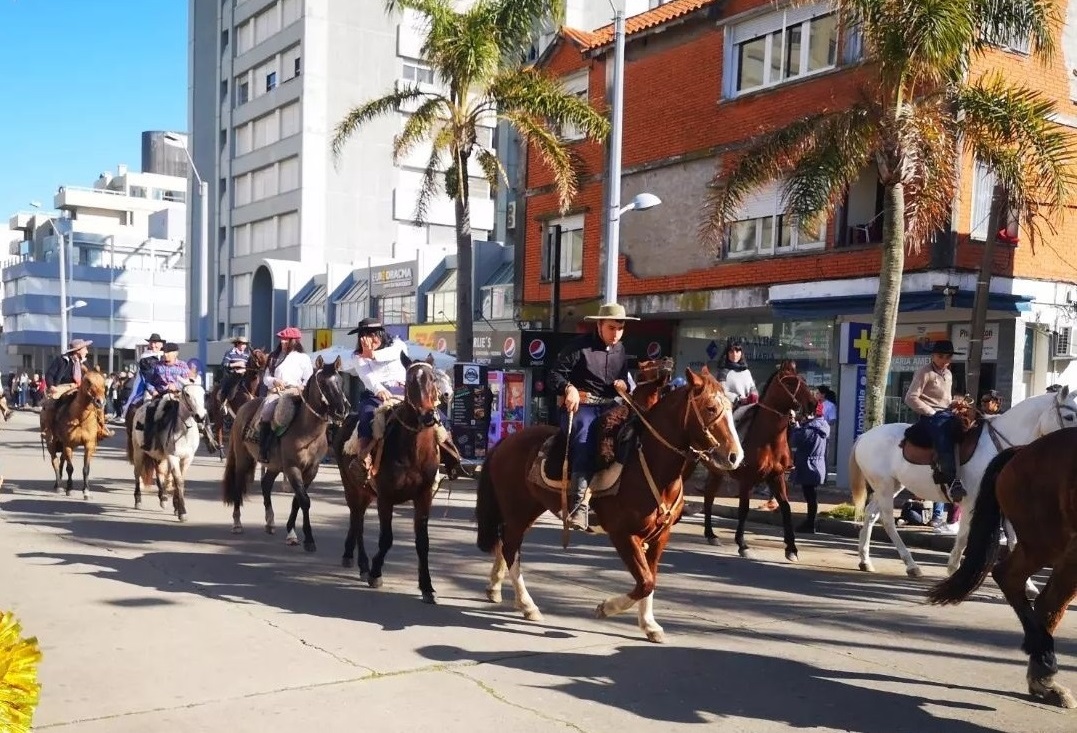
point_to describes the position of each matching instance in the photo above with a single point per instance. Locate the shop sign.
(392, 278)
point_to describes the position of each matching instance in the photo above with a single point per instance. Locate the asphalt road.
(152, 625)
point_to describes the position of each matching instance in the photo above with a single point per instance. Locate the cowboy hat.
(945, 346)
(170, 347)
(367, 324)
(291, 332)
(155, 337)
(611, 312)
(77, 344)
(240, 340)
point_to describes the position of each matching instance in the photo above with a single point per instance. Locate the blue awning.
(844, 305)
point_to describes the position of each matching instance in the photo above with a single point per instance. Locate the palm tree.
(913, 123)
(474, 54)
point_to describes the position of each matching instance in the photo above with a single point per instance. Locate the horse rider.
(64, 376)
(377, 363)
(146, 363)
(735, 377)
(169, 375)
(587, 376)
(235, 366)
(929, 396)
(287, 370)
(990, 403)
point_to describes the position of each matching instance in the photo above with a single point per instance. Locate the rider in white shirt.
(288, 369)
(376, 362)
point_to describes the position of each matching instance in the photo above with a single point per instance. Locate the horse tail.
(857, 483)
(233, 485)
(487, 511)
(982, 548)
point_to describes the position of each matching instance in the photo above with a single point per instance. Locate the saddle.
(612, 439)
(377, 426)
(918, 448)
(284, 413)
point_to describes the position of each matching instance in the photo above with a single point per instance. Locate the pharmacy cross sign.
(863, 342)
(857, 344)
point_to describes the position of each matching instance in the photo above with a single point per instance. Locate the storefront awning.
(355, 294)
(843, 305)
(317, 296)
(503, 276)
(447, 283)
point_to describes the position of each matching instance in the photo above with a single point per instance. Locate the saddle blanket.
(381, 420)
(550, 458)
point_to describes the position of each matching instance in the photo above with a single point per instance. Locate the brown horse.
(691, 421)
(407, 471)
(75, 424)
(4, 409)
(243, 392)
(1034, 488)
(297, 453)
(767, 458)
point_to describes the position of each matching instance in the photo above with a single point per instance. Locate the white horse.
(876, 461)
(167, 463)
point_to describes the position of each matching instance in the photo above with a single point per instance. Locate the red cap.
(290, 333)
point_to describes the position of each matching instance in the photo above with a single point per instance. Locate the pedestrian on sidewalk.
(808, 441)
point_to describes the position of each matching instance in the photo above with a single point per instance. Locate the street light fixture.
(203, 251)
(63, 278)
(643, 200)
(76, 304)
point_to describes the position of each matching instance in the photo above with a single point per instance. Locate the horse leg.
(385, 539)
(710, 488)
(1011, 541)
(742, 518)
(871, 516)
(57, 468)
(161, 481)
(885, 510)
(179, 500)
(422, 505)
(630, 548)
(138, 485)
(267, 501)
(508, 548)
(780, 491)
(647, 622)
(301, 500)
(69, 463)
(497, 576)
(363, 561)
(87, 457)
(1058, 593)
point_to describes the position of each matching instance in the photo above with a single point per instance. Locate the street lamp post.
(203, 255)
(643, 200)
(111, 303)
(63, 279)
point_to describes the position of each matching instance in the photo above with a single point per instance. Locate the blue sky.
(84, 79)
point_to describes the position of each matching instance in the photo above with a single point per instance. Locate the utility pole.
(983, 295)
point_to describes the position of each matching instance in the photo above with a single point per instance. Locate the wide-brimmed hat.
(945, 346)
(367, 324)
(77, 344)
(170, 347)
(240, 340)
(290, 333)
(611, 312)
(155, 337)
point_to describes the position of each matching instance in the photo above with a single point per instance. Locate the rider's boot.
(265, 439)
(102, 425)
(577, 518)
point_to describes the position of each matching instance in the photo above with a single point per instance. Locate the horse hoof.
(600, 611)
(182, 518)
(85, 495)
(430, 599)
(138, 504)
(656, 637)
(374, 582)
(237, 529)
(164, 503)
(310, 547)
(533, 614)
(746, 553)
(914, 572)
(714, 541)
(867, 567)
(364, 577)
(346, 562)
(791, 556)
(1051, 693)
(493, 595)
(270, 529)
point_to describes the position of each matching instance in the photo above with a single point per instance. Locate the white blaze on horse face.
(736, 450)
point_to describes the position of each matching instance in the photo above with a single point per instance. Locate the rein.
(692, 453)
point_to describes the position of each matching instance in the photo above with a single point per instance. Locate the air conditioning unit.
(510, 215)
(1064, 345)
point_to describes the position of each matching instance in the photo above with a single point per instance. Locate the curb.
(842, 528)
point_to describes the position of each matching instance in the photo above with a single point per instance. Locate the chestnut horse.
(406, 468)
(243, 392)
(4, 409)
(1035, 489)
(75, 424)
(767, 457)
(297, 453)
(691, 421)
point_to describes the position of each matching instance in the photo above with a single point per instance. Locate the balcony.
(80, 197)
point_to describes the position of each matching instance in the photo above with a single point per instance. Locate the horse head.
(421, 390)
(325, 391)
(1061, 414)
(92, 388)
(193, 397)
(787, 391)
(259, 359)
(703, 415)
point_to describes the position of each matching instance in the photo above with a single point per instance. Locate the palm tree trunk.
(465, 311)
(884, 319)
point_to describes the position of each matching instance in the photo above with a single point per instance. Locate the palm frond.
(927, 136)
(492, 170)
(1010, 129)
(419, 125)
(773, 155)
(539, 96)
(554, 153)
(364, 113)
(1001, 21)
(440, 144)
(517, 20)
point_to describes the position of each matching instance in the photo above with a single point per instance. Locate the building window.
(571, 264)
(577, 86)
(271, 81)
(497, 302)
(243, 93)
(396, 308)
(352, 306)
(311, 312)
(298, 65)
(243, 139)
(241, 289)
(224, 40)
(1014, 43)
(224, 139)
(418, 71)
(781, 47)
(224, 90)
(983, 187)
(241, 241)
(441, 300)
(766, 229)
(289, 120)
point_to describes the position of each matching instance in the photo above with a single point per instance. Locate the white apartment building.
(123, 239)
(268, 82)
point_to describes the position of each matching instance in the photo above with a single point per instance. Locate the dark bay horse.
(245, 391)
(407, 471)
(75, 424)
(1035, 488)
(767, 457)
(297, 453)
(691, 421)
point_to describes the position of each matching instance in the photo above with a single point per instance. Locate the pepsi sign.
(537, 349)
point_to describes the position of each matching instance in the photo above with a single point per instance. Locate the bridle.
(314, 390)
(998, 438)
(691, 408)
(424, 419)
(793, 394)
(189, 402)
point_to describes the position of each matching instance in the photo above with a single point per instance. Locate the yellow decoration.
(19, 689)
